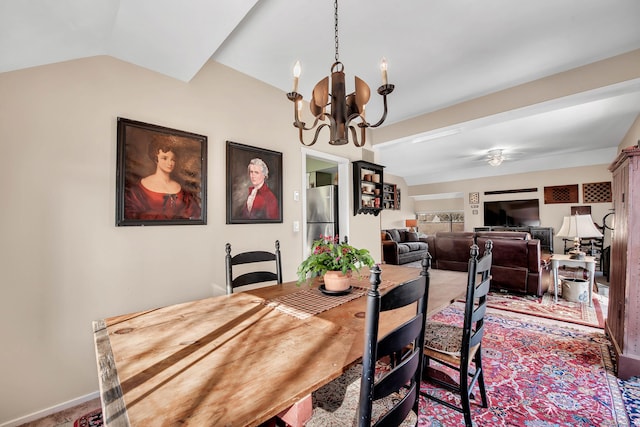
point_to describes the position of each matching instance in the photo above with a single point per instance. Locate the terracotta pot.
(336, 281)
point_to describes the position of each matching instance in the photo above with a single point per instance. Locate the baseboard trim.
(52, 410)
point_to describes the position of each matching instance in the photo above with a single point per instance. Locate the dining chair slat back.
(402, 347)
(252, 276)
(460, 347)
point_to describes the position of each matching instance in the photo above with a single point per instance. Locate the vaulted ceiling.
(440, 53)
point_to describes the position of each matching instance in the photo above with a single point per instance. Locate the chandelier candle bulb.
(383, 68)
(296, 75)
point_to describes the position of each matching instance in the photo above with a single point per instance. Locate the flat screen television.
(512, 213)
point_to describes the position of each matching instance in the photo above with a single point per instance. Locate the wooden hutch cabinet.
(623, 319)
(368, 182)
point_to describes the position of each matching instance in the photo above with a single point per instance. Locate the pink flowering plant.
(328, 254)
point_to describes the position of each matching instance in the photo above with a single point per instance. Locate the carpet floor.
(566, 311)
(92, 419)
(536, 372)
(579, 313)
(540, 373)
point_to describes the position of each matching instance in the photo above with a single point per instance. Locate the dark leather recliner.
(517, 265)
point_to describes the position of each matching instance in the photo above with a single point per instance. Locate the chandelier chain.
(335, 16)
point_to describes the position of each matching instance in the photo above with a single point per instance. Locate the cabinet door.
(615, 317)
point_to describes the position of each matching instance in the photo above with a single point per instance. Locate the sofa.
(517, 265)
(402, 246)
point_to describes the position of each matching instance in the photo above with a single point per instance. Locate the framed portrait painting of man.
(161, 176)
(254, 184)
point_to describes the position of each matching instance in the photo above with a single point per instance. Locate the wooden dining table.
(240, 359)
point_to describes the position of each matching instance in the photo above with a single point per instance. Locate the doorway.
(338, 169)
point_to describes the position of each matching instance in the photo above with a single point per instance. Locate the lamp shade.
(580, 226)
(411, 222)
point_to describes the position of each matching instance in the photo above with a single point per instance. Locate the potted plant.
(332, 259)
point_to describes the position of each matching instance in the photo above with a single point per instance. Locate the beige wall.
(391, 218)
(435, 205)
(633, 135)
(64, 261)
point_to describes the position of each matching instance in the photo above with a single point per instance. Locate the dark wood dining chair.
(389, 376)
(252, 277)
(460, 347)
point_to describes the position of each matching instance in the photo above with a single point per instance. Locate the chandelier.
(346, 111)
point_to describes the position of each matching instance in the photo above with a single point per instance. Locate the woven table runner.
(363, 283)
(309, 302)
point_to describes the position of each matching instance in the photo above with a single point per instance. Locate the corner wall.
(632, 137)
(391, 218)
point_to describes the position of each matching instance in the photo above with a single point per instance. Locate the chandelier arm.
(301, 125)
(355, 116)
(315, 137)
(297, 122)
(384, 113)
(333, 129)
(354, 135)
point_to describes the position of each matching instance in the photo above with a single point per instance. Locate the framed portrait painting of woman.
(161, 176)
(254, 184)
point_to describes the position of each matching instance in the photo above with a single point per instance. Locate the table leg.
(591, 266)
(554, 271)
(298, 414)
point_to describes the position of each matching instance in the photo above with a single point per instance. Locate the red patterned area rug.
(92, 419)
(545, 306)
(537, 374)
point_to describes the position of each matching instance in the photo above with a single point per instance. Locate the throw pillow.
(411, 236)
(395, 235)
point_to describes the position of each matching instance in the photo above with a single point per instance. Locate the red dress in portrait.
(142, 203)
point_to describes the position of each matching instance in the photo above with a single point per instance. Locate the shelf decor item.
(329, 255)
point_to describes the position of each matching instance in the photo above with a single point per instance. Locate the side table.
(589, 263)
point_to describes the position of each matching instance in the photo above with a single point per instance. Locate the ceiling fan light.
(495, 157)
(495, 161)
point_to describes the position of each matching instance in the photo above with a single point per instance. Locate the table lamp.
(411, 224)
(578, 227)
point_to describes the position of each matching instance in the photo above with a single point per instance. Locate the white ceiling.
(440, 53)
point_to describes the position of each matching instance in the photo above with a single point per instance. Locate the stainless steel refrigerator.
(322, 212)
